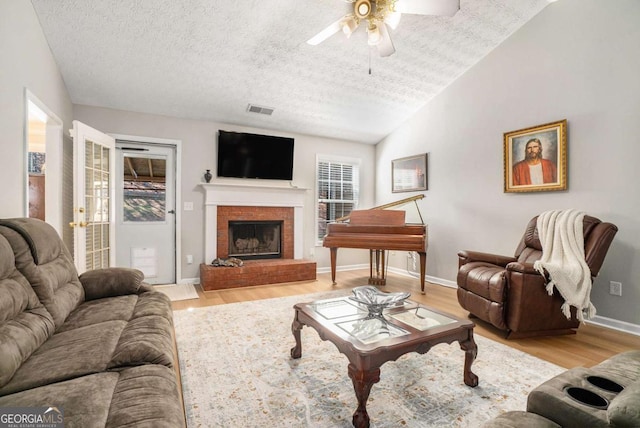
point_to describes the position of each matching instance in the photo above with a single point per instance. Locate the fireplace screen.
(255, 239)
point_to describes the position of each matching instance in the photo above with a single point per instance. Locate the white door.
(93, 192)
(145, 209)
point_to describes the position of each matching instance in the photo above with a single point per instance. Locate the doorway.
(44, 169)
(145, 204)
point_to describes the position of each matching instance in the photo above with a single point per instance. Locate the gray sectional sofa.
(99, 347)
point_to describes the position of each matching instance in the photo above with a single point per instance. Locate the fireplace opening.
(250, 240)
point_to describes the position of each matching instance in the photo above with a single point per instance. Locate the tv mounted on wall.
(243, 155)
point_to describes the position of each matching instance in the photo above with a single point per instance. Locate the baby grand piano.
(378, 230)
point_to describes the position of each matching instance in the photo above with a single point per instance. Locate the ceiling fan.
(379, 14)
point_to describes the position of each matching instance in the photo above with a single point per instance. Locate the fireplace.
(227, 203)
(242, 228)
(249, 240)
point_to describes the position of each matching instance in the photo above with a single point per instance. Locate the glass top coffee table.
(368, 341)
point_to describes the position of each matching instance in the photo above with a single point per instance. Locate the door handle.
(73, 224)
(171, 211)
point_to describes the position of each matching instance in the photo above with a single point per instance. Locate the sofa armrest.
(526, 268)
(467, 256)
(101, 283)
(624, 409)
(529, 306)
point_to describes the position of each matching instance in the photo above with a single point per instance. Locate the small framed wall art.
(535, 159)
(409, 174)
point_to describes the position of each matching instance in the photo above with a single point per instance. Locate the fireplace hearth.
(251, 240)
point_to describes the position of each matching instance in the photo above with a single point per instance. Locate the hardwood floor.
(591, 345)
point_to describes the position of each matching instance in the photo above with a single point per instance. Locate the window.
(144, 189)
(338, 189)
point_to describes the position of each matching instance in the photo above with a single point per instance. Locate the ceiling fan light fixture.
(362, 8)
(374, 35)
(349, 26)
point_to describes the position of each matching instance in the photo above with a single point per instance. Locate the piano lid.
(389, 218)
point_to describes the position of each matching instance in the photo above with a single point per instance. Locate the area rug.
(236, 371)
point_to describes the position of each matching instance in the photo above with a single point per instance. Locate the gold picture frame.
(409, 174)
(535, 159)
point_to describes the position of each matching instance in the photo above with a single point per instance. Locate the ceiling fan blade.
(327, 32)
(428, 7)
(385, 47)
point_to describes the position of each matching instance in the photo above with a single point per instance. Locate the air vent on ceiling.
(252, 108)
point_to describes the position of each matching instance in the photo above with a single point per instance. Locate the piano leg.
(334, 254)
(377, 258)
(423, 268)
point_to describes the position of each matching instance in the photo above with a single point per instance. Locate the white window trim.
(333, 158)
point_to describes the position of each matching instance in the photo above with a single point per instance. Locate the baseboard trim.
(193, 281)
(342, 268)
(611, 323)
(428, 278)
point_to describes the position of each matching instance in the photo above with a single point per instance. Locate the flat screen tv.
(243, 155)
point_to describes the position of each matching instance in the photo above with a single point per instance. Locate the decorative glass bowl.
(375, 300)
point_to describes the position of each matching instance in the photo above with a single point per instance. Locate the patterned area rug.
(236, 372)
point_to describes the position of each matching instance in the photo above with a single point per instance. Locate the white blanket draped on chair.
(562, 239)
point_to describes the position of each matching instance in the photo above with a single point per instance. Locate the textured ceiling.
(208, 59)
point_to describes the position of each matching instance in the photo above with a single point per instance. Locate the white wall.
(199, 153)
(577, 60)
(25, 62)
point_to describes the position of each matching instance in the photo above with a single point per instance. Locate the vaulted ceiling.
(209, 59)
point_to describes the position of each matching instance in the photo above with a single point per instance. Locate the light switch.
(188, 206)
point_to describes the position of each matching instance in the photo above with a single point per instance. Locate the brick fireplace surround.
(240, 202)
(239, 213)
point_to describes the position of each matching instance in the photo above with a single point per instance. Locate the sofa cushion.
(144, 340)
(68, 355)
(101, 310)
(104, 334)
(624, 410)
(145, 396)
(41, 256)
(24, 323)
(148, 334)
(84, 401)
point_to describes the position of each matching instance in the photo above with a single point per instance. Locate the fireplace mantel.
(241, 194)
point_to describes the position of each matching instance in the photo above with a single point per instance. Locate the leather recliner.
(510, 294)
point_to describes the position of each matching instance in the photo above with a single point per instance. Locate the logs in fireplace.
(252, 240)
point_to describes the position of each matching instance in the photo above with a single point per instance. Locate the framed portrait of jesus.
(535, 159)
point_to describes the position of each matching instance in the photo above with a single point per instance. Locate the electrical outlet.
(189, 259)
(615, 288)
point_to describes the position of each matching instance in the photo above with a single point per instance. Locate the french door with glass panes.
(93, 195)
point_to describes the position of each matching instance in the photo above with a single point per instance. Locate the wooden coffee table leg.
(296, 326)
(471, 351)
(362, 383)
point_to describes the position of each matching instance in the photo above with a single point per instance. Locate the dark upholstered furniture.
(605, 395)
(510, 294)
(99, 347)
